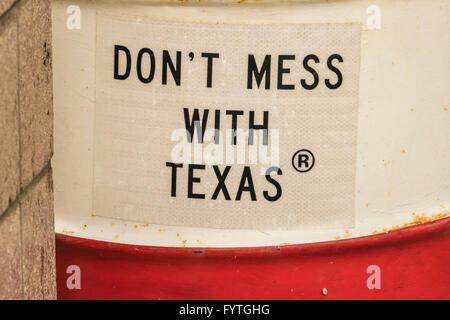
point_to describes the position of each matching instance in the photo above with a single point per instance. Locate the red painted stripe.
(414, 263)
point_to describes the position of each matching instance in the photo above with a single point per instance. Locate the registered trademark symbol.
(303, 160)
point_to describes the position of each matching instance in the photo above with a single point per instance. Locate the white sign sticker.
(237, 126)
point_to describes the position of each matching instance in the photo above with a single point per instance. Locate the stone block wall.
(27, 244)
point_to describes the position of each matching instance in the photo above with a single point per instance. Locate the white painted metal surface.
(403, 139)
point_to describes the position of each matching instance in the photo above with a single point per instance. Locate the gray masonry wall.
(27, 242)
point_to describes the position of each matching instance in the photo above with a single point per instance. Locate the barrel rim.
(408, 234)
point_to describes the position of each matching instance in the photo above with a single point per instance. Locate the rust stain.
(346, 235)
(84, 226)
(178, 235)
(161, 230)
(183, 242)
(417, 219)
(68, 232)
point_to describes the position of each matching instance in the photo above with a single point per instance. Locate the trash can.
(251, 149)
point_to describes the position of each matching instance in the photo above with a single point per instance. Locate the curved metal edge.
(414, 233)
